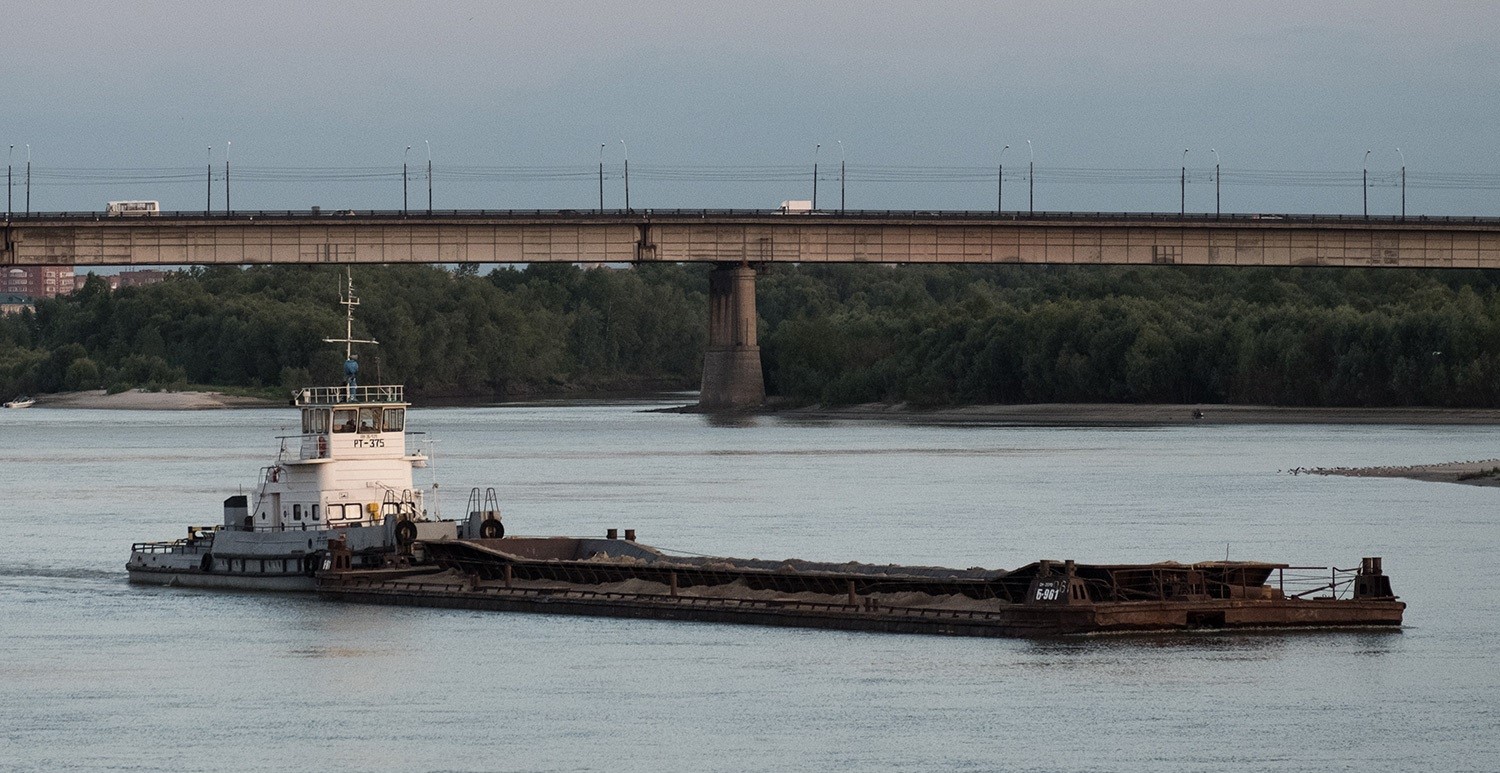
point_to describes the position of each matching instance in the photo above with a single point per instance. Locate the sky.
(514, 100)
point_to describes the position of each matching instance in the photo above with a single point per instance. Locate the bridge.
(736, 241)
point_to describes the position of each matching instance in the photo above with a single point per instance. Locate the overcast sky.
(1271, 86)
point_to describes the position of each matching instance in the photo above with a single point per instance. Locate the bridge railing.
(645, 215)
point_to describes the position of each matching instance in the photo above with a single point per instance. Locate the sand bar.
(141, 400)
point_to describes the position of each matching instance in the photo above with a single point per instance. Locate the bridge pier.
(731, 366)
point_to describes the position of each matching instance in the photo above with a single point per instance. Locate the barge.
(622, 578)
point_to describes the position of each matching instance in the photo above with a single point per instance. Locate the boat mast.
(349, 301)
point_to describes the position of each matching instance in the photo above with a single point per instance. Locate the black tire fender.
(406, 533)
(206, 564)
(492, 528)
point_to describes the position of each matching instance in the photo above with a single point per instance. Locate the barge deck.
(621, 578)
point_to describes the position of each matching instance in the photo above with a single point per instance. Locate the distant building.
(145, 276)
(37, 281)
(11, 303)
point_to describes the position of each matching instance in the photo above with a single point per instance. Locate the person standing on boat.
(351, 371)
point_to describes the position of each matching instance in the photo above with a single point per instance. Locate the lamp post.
(208, 181)
(1217, 210)
(28, 179)
(841, 175)
(1031, 179)
(601, 177)
(1183, 211)
(1000, 183)
(1364, 186)
(816, 148)
(1403, 183)
(9, 155)
(227, 144)
(404, 155)
(626, 150)
(429, 175)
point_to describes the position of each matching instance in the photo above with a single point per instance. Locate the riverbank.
(1113, 414)
(141, 400)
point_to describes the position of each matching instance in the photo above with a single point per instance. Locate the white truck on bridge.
(132, 208)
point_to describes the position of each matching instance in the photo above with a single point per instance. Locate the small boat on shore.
(21, 402)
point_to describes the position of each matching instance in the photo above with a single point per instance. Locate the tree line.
(840, 334)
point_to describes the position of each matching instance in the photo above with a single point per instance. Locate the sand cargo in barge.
(622, 578)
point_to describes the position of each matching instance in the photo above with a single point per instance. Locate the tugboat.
(345, 483)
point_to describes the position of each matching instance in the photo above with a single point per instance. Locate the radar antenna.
(347, 298)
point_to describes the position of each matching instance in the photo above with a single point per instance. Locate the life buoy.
(207, 563)
(492, 528)
(406, 533)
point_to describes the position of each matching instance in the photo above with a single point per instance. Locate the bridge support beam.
(731, 366)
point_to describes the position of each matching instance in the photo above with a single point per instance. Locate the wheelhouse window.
(343, 420)
(314, 420)
(369, 420)
(395, 419)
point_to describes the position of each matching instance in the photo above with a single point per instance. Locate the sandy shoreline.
(1110, 414)
(139, 400)
(1482, 472)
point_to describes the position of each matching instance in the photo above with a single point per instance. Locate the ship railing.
(174, 546)
(336, 395)
(1298, 582)
(316, 446)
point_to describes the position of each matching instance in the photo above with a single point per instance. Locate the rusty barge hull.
(610, 578)
(1018, 622)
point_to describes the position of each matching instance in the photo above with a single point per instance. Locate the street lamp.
(10, 154)
(1217, 211)
(816, 148)
(28, 178)
(841, 174)
(227, 144)
(404, 155)
(1031, 179)
(429, 175)
(1364, 186)
(1183, 211)
(1403, 183)
(626, 150)
(1000, 183)
(208, 179)
(601, 177)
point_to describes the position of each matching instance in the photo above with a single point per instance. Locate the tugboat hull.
(190, 578)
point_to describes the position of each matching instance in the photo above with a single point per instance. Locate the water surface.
(101, 675)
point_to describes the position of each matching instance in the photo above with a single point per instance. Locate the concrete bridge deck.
(735, 241)
(749, 236)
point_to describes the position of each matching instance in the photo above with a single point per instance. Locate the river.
(101, 675)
